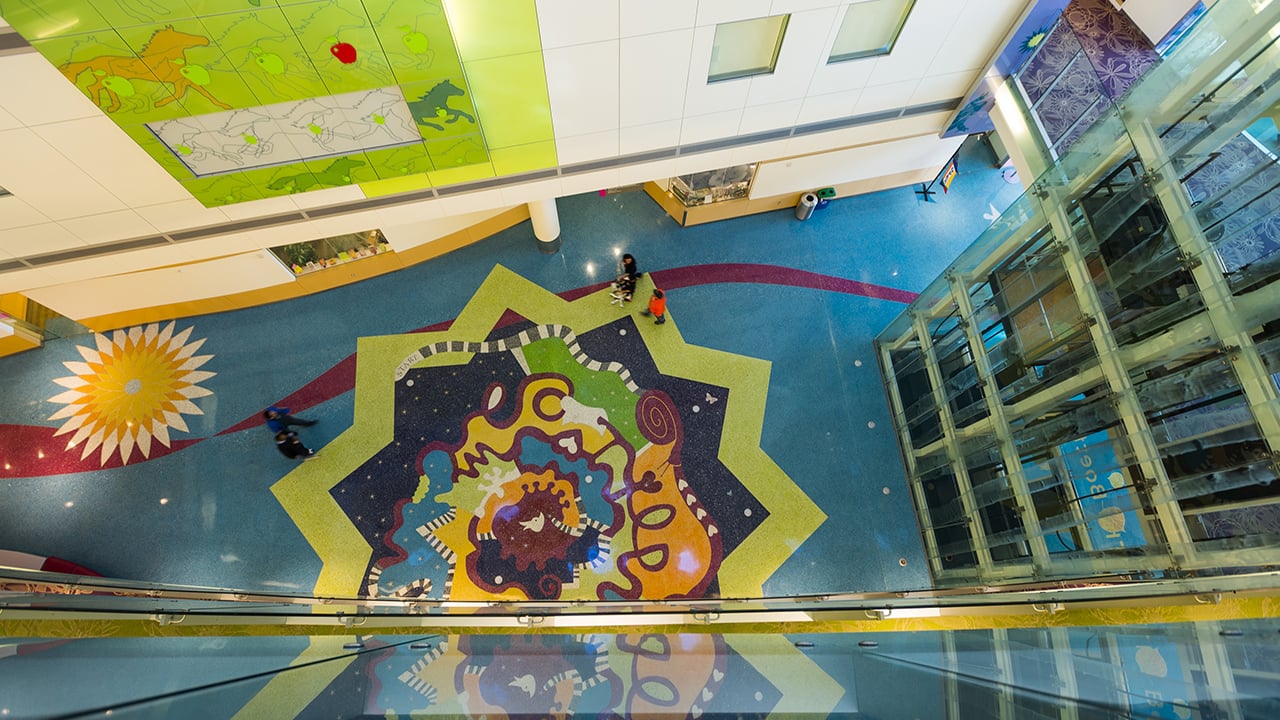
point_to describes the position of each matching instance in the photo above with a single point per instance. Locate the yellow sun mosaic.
(130, 390)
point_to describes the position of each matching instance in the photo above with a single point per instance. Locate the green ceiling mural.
(246, 99)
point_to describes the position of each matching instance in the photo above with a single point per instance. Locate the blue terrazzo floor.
(205, 514)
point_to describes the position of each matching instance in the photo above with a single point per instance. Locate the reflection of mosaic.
(289, 132)
(544, 449)
(136, 385)
(597, 675)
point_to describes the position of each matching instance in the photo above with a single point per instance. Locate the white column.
(1021, 138)
(546, 224)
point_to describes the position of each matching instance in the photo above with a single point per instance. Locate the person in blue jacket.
(278, 418)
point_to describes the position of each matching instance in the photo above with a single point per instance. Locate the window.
(870, 28)
(746, 47)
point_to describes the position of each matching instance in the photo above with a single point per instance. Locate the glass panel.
(313, 255)
(746, 47)
(704, 188)
(1204, 670)
(870, 28)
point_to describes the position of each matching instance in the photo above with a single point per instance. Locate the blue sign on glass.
(1096, 476)
(1154, 676)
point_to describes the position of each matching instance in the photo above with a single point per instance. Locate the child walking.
(657, 307)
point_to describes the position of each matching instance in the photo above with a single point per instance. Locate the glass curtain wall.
(1091, 388)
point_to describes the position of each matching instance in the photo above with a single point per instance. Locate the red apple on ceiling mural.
(345, 52)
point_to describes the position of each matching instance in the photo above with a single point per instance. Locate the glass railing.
(1208, 669)
(44, 595)
(1106, 350)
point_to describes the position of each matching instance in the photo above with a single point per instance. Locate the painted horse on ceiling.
(434, 105)
(163, 58)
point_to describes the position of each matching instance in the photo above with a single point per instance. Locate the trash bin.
(804, 209)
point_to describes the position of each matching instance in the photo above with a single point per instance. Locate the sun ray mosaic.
(129, 390)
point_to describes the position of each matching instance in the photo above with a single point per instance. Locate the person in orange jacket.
(657, 307)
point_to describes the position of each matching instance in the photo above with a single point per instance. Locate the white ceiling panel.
(181, 215)
(884, 97)
(108, 156)
(548, 189)
(582, 83)
(651, 78)
(23, 280)
(405, 214)
(649, 137)
(213, 278)
(960, 52)
(50, 182)
(38, 240)
(644, 172)
(16, 212)
(701, 97)
(942, 87)
(589, 182)
(712, 12)
(473, 201)
(328, 196)
(710, 127)
(260, 208)
(841, 76)
(802, 51)
(572, 23)
(425, 230)
(780, 7)
(35, 93)
(700, 162)
(581, 148)
(817, 108)
(930, 23)
(7, 120)
(109, 227)
(656, 16)
(758, 118)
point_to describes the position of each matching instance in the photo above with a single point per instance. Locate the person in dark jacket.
(290, 446)
(627, 276)
(278, 418)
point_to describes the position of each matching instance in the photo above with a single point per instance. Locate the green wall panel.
(341, 43)
(183, 58)
(400, 161)
(105, 68)
(261, 47)
(494, 28)
(415, 37)
(511, 94)
(42, 19)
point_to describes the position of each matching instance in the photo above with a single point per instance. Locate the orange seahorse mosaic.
(162, 59)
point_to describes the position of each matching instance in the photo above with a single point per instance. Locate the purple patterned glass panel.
(1118, 50)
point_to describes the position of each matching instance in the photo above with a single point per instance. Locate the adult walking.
(290, 446)
(278, 418)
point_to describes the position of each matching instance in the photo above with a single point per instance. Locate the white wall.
(1155, 18)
